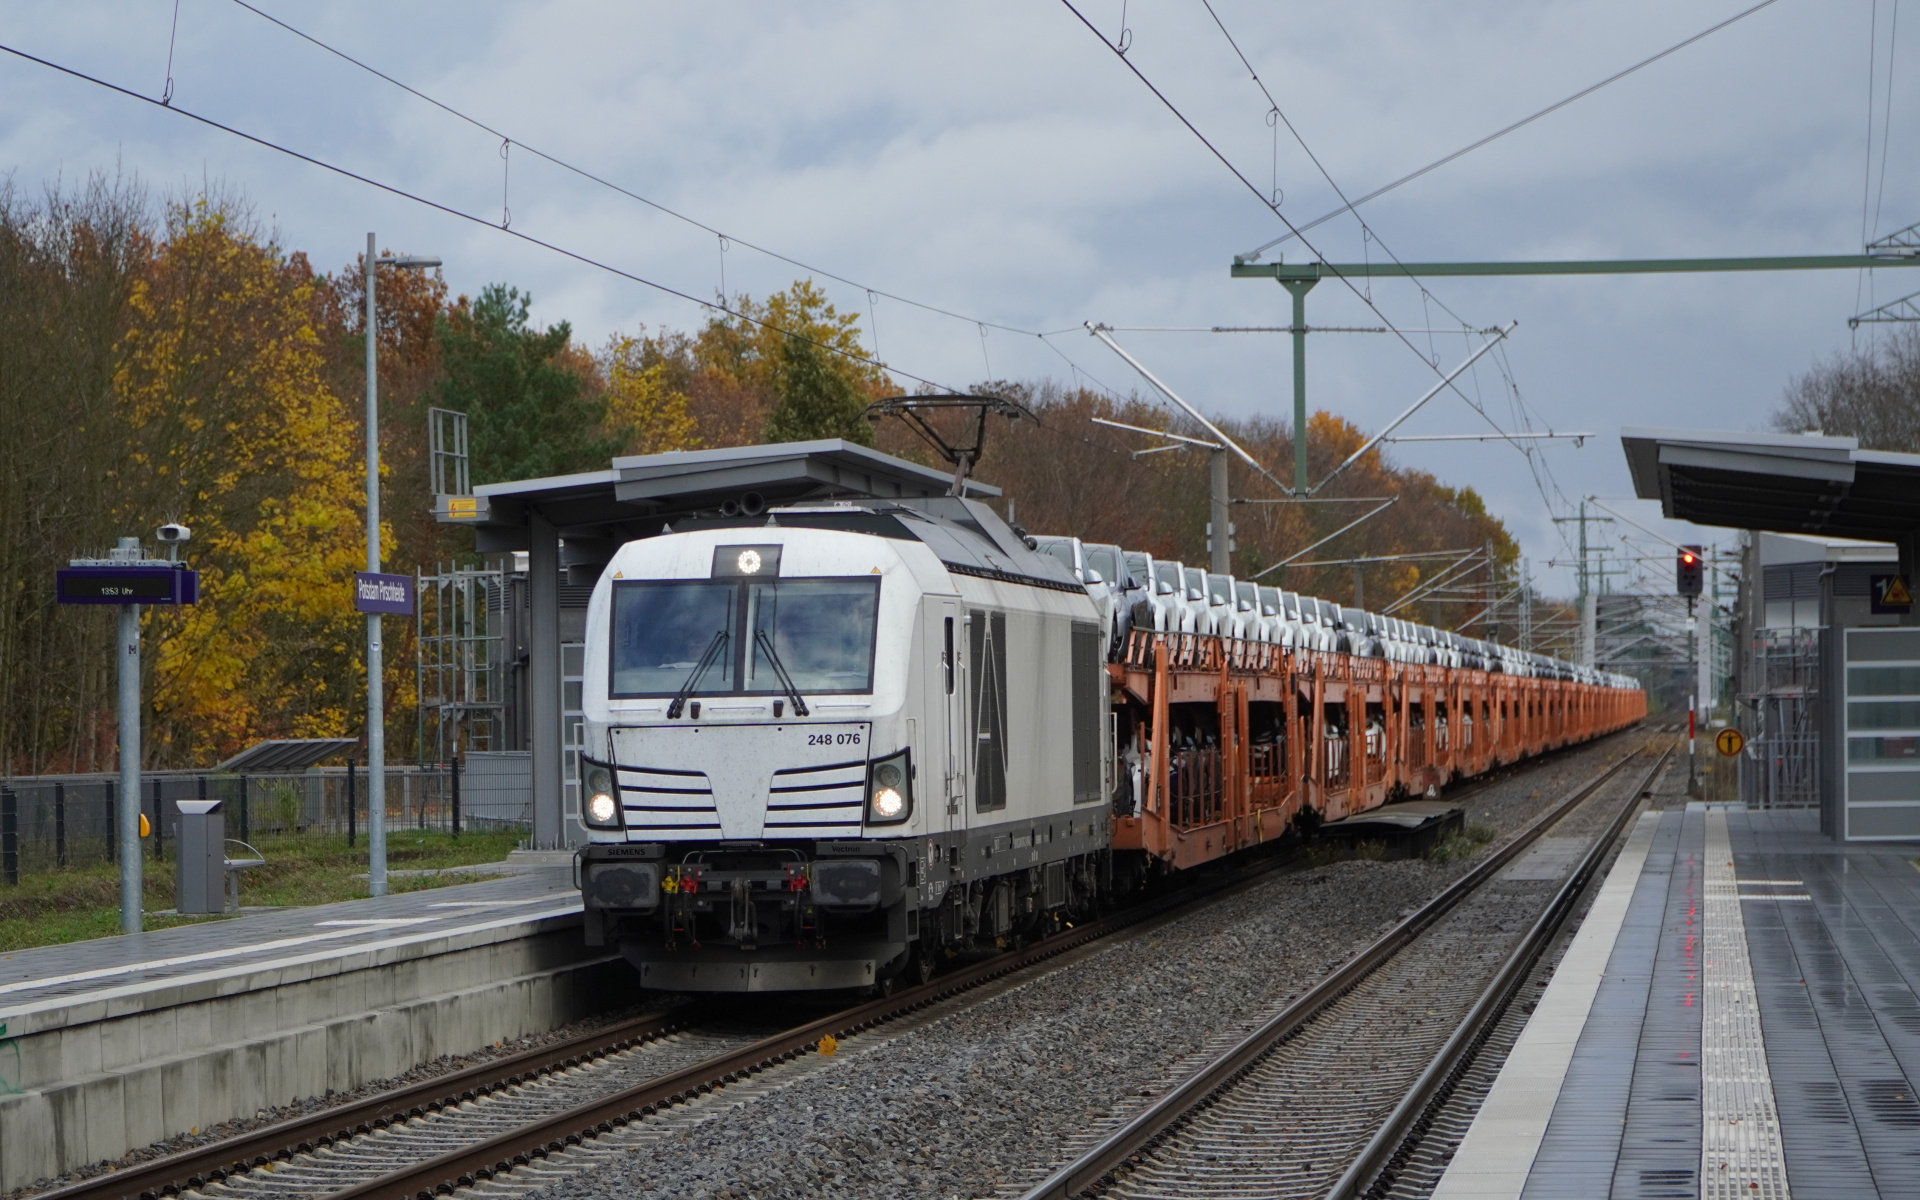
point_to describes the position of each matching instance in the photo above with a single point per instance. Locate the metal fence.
(1779, 715)
(53, 821)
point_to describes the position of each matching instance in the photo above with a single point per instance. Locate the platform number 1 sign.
(1890, 594)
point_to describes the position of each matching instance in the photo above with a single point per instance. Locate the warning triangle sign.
(1897, 591)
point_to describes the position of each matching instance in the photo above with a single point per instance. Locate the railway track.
(470, 1126)
(1331, 1096)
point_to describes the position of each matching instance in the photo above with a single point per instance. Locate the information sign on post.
(113, 583)
(129, 579)
(390, 595)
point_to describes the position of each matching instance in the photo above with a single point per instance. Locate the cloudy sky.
(998, 161)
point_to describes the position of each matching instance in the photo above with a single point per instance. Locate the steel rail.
(1399, 1136)
(203, 1164)
(1173, 1107)
(518, 1147)
(244, 1152)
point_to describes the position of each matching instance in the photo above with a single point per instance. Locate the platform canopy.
(637, 494)
(1778, 482)
(288, 754)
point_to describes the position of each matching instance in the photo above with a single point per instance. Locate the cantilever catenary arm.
(1415, 407)
(1336, 533)
(1100, 332)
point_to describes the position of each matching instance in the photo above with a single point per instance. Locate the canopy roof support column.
(543, 704)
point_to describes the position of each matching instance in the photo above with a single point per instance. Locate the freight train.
(830, 745)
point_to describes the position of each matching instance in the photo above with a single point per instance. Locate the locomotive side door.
(952, 704)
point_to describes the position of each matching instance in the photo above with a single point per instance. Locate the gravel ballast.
(981, 1100)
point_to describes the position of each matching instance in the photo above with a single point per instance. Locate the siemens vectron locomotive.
(828, 745)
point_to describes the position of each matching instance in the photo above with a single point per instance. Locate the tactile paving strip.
(1740, 1150)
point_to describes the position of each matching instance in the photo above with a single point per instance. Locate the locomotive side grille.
(817, 800)
(659, 801)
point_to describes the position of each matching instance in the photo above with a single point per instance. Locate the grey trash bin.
(201, 855)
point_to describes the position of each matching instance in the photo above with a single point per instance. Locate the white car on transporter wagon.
(824, 746)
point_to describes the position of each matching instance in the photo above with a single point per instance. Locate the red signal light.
(1687, 571)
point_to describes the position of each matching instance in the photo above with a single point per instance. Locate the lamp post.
(376, 701)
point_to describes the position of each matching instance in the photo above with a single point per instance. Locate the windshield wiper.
(714, 649)
(780, 669)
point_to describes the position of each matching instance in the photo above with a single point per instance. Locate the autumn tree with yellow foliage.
(232, 431)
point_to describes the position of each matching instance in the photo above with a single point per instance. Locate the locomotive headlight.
(602, 804)
(890, 790)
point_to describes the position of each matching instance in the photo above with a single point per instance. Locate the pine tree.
(530, 412)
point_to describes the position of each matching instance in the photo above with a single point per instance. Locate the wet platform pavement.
(1739, 1016)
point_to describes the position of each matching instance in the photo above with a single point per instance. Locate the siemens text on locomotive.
(829, 744)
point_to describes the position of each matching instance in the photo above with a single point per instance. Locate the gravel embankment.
(973, 1102)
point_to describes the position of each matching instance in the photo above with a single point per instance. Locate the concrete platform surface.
(32, 980)
(1738, 1016)
(123, 1041)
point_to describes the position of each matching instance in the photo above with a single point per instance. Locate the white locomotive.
(826, 743)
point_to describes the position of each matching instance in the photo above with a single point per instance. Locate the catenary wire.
(1860, 283)
(1373, 236)
(545, 245)
(1886, 115)
(607, 183)
(725, 240)
(1517, 125)
(1364, 296)
(1535, 466)
(1265, 201)
(395, 190)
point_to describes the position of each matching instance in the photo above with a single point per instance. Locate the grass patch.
(80, 902)
(1458, 847)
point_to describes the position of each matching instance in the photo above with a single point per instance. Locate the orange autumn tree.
(232, 431)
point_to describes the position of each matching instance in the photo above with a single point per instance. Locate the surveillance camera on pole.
(173, 534)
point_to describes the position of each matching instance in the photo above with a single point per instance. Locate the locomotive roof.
(968, 537)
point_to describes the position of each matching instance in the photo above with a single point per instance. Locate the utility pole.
(376, 700)
(1585, 653)
(1493, 597)
(1703, 656)
(1220, 543)
(1299, 288)
(127, 815)
(1526, 608)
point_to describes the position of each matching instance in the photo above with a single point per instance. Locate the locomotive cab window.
(725, 637)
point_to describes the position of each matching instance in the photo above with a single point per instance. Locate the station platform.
(108, 968)
(118, 1042)
(1738, 1015)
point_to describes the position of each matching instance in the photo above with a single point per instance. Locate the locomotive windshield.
(821, 630)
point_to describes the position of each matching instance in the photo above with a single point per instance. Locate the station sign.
(118, 583)
(388, 595)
